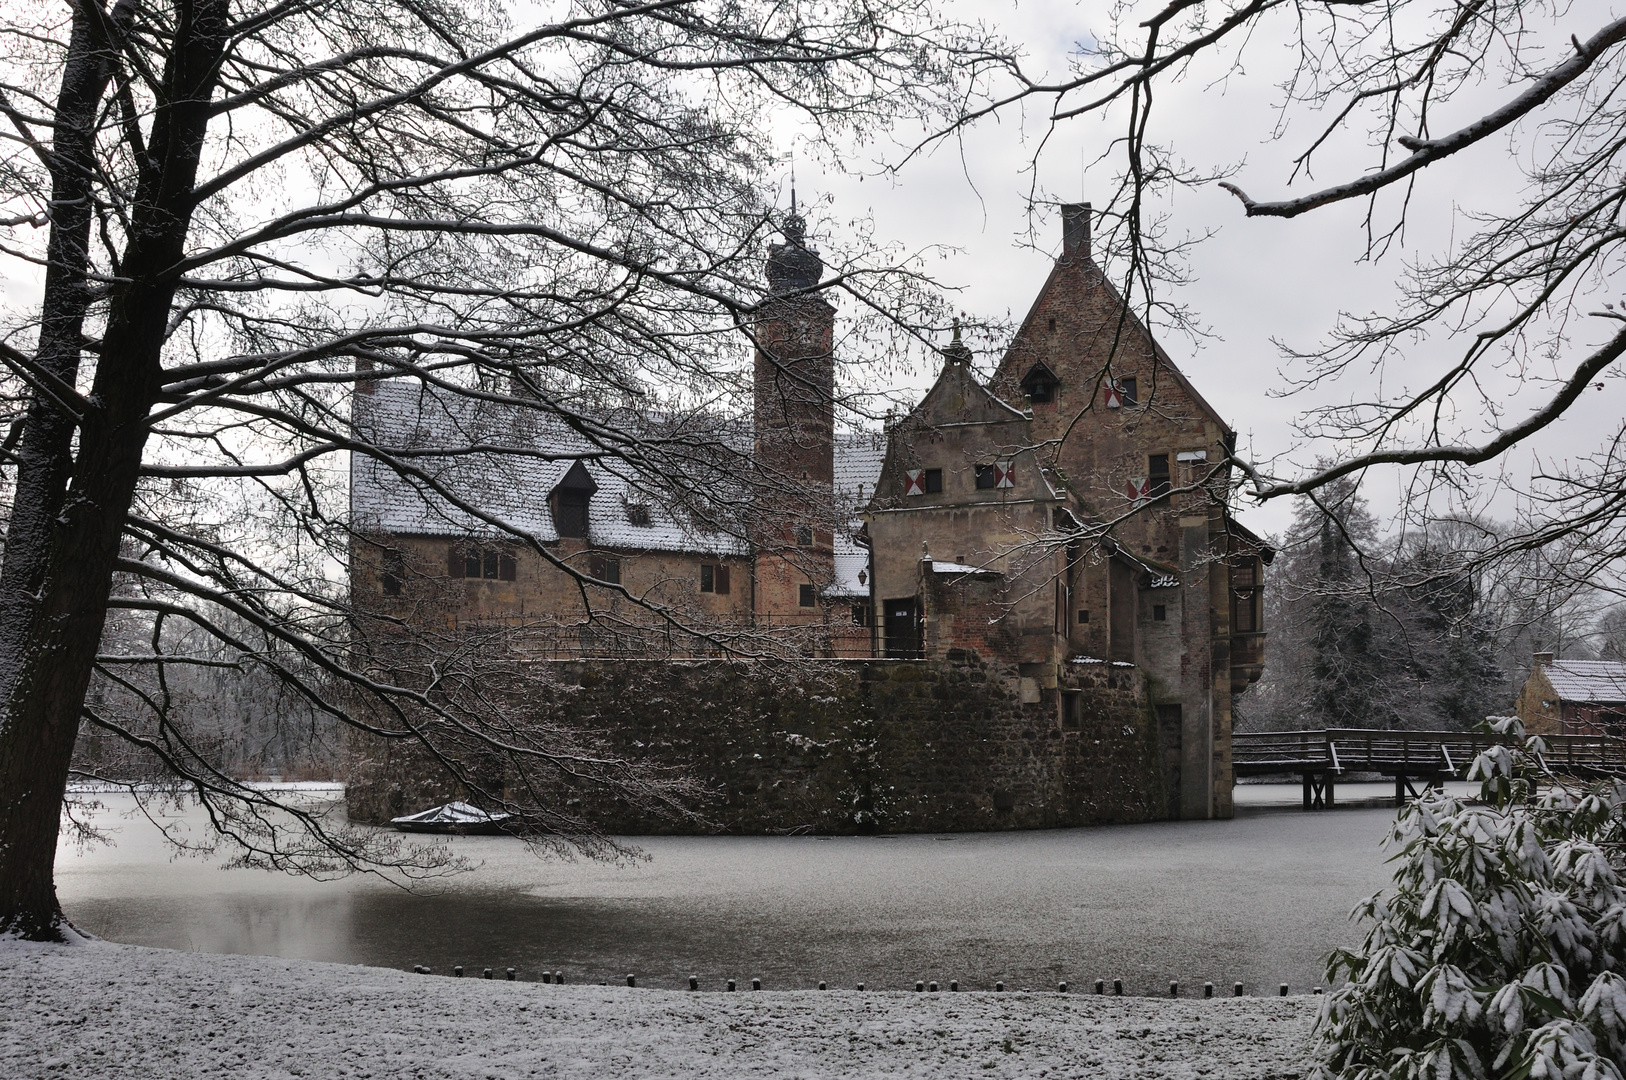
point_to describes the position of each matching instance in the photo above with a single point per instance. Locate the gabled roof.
(1095, 278)
(1596, 681)
(959, 397)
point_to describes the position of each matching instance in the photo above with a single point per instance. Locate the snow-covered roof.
(857, 468)
(1588, 680)
(961, 568)
(505, 460)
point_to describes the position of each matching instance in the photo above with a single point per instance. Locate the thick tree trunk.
(71, 506)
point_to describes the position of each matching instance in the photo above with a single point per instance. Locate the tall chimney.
(1075, 230)
(1541, 659)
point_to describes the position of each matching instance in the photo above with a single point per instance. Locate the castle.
(1066, 518)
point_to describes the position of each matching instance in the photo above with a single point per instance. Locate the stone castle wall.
(845, 746)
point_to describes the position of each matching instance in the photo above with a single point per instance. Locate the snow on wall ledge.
(837, 747)
(103, 1010)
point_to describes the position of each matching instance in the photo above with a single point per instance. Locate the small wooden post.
(1208, 989)
(1118, 987)
(999, 987)
(756, 984)
(954, 986)
(632, 980)
(731, 986)
(1061, 988)
(487, 973)
(1174, 988)
(457, 971)
(559, 977)
(694, 982)
(822, 986)
(919, 986)
(510, 974)
(547, 976)
(860, 986)
(1284, 990)
(1236, 991)
(932, 987)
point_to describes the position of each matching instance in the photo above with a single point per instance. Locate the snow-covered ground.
(106, 1010)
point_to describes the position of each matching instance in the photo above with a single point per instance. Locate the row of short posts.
(920, 986)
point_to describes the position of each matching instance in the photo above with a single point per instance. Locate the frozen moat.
(1259, 899)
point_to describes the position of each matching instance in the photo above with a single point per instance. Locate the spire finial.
(956, 352)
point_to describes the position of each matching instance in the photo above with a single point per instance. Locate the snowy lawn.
(105, 1010)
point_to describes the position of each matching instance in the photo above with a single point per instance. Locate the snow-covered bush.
(1498, 950)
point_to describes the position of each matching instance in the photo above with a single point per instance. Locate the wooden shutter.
(722, 579)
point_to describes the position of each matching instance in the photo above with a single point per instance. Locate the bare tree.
(1526, 291)
(236, 207)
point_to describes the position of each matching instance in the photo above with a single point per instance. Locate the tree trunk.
(70, 507)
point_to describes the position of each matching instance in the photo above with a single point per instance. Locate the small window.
(489, 563)
(1157, 475)
(471, 563)
(638, 514)
(394, 573)
(606, 569)
(1083, 617)
(860, 614)
(986, 477)
(714, 578)
(807, 596)
(934, 481)
(1069, 708)
(570, 512)
(507, 566)
(1242, 575)
(1129, 388)
(1052, 323)
(804, 536)
(1160, 613)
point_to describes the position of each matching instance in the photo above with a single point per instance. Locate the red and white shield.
(1140, 488)
(1004, 474)
(1113, 397)
(914, 482)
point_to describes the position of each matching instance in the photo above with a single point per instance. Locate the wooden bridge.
(1321, 758)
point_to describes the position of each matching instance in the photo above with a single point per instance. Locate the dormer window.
(638, 514)
(1040, 383)
(570, 501)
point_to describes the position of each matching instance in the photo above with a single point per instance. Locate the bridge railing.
(1258, 752)
(1407, 753)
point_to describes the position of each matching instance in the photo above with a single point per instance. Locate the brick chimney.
(1075, 231)
(1541, 659)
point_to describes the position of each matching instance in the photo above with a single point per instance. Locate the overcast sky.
(1256, 279)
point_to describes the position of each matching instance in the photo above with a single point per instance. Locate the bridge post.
(1307, 789)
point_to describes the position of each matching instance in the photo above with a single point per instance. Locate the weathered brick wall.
(845, 746)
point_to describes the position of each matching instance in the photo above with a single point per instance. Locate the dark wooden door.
(902, 628)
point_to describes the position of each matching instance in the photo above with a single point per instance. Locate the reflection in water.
(1259, 899)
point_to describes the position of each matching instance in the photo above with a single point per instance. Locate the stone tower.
(794, 400)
